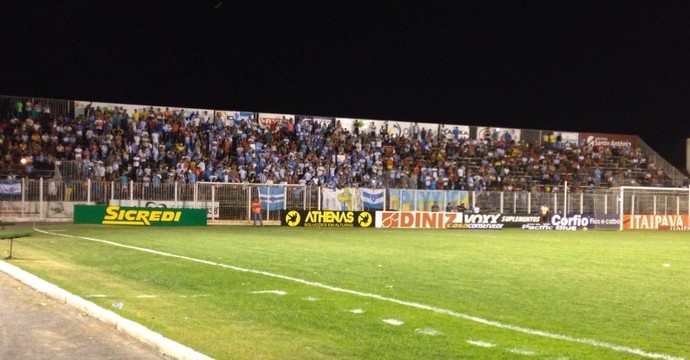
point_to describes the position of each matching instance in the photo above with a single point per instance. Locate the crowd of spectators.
(160, 145)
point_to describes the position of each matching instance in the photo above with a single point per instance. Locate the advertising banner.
(212, 208)
(437, 220)
(137, 216)
(326, 218)
(319, 121)
(569, 222)
(656, 222)
(232, 117)
(268, 120)
(455, 131)
(613, 140)
(495, 134)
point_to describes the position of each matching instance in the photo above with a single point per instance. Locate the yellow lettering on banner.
(111, 213)
(167, 216)
(142, 216)
(177, 216)
(155, 216)
(131, 215)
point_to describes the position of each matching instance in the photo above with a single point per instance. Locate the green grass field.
(303, 293)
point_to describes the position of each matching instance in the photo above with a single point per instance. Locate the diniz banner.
(495, 134)
(326, 218)
(613, 140)
(437, 220)
(656, 222)
(268, 120)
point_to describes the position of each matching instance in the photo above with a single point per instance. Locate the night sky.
(600, 66)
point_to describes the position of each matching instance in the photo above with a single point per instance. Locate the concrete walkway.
(44, 322)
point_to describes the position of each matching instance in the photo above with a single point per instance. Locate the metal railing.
(51, 199)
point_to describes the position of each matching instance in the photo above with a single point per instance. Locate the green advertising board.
(138, 216)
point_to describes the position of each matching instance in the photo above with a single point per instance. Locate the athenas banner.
(138, 216)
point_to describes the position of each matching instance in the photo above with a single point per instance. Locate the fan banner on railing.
(272, 198)
(349, 199)
(10, 188)
(373, 198)
(423, 200)
(402, 200)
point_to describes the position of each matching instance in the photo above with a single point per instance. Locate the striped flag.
(373, 198)
(272, 198)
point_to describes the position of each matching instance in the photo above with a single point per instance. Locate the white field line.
(481, 343)
(522, 352)
(277, 292)
(394, 322)
(496, 324)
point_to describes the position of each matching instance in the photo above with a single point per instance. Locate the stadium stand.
(159, 145)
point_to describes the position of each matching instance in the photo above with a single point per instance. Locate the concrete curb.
(154, 340)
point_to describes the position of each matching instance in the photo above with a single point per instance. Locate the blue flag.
(272, 198)
(373, 198)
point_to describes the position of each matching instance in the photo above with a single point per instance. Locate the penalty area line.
(437, 310)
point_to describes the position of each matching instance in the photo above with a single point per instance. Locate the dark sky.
(599, 66)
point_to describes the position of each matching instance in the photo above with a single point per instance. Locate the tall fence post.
(40, 198)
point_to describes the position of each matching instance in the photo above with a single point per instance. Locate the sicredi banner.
(656, 222)
(136, 216)
(326, 218)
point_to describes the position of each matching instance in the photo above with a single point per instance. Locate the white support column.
(565, 198)
(304, 197)
(582, 203)
(213, 202)
(88, 191)
(23, 195)
(177, 189)
(606, 204)
(500, 211)
(40, 198)
(131, 193)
